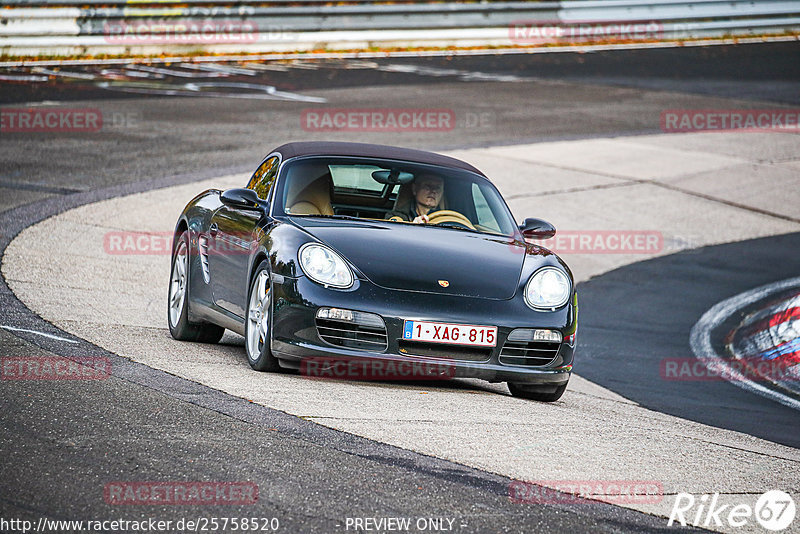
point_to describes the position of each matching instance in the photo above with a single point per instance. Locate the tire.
(178, 300)
(258, 322)
(538, 393)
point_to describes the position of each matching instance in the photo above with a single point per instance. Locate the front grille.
(521, 349)
(449, 352)
(352, 335)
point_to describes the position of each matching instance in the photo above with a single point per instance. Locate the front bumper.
(296, 340)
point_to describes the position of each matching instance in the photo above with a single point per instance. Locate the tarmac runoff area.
(689, 190)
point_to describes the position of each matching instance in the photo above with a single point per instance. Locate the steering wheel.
(449, 218)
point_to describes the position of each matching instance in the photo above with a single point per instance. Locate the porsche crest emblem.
(444, 283)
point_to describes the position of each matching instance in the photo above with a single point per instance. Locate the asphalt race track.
(586, 126)
(642, 306)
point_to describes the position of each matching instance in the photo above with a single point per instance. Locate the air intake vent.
(530, 348)
(447, 352)
(202, 245)
(352, 329)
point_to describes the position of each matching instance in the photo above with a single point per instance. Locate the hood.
(415, 258)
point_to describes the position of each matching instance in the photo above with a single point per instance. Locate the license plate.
(455, 334)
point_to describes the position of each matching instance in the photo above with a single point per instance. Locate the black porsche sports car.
(387, 257)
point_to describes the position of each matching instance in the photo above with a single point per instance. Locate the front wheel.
(258, 329)
(178, 301)
(541, 393)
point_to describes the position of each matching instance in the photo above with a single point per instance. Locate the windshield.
(395, 191)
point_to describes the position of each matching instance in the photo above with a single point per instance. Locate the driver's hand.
(422, 219)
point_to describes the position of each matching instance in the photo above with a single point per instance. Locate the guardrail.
(125, 27)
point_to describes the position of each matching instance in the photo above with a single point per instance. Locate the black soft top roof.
(333, 148)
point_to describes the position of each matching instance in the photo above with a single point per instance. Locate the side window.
(264, 177)
(486, 218)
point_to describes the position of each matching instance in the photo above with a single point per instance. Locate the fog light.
(336, 314)
(527, 334)
(351, 316)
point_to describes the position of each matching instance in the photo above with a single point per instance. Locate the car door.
(232, 236)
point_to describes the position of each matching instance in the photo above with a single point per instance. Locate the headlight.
(549, 287)
(324, 266)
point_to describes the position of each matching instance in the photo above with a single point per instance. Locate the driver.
(427, 191)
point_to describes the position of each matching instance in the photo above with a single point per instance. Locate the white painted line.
(51, 336)
(178, 73)
(464, 75)
(22, 78)
(268, 91)
(700, 338)
(64, 74)
(262, 92)
(268, 67)
(138, 74)
(214, 67)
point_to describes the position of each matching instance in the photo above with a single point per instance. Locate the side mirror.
(246, 199)
(537, 229)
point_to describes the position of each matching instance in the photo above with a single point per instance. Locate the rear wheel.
(258, 328)
(178, 301)
(542, 393)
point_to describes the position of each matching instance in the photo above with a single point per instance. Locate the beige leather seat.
(314, 199)
(405, 198)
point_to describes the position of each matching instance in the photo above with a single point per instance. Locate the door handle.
(213, 229)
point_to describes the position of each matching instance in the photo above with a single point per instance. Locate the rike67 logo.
(774, 510)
